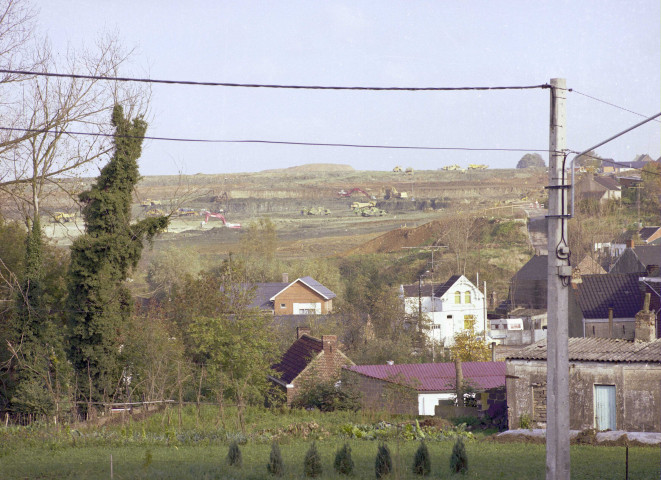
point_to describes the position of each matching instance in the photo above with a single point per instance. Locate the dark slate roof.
(608, 182)
(318, 287)
(263, 294)
(425, 289)
(648, 254)
(435, 377)
(621, 292)
(647, 232)
(594, 349)
(535, 269)
(297, 357)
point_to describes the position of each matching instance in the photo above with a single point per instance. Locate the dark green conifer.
(101, 260)
(275, 466)
(422, 461)
(383, 463)
(234, 455)
(312, 463)
(459, 459)
(343, 462)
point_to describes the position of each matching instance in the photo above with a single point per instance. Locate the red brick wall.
(325, 367)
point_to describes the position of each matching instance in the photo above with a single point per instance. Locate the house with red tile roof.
(308, 359)
(417, 388)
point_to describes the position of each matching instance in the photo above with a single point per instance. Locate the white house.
(449, 307)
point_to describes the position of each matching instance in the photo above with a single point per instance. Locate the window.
(282, 305)
(467, 297)
(449, 317)
(457, 297)
(469, 321)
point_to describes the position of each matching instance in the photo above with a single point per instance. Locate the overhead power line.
(259, 85)
(273, 142)
(611, 104)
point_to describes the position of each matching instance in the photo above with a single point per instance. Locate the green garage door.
(604, 407)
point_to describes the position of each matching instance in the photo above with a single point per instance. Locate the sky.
(606, 49)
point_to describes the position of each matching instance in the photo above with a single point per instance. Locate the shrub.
(383, 464)
(275, 466)
(312, 462)
(525, 422)
(327, 397)
(343, 461)
(421, 461)
(234, 455)
(459, 459)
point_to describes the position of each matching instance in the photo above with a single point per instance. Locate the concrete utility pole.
(559, 272)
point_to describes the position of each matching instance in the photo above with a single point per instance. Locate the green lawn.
(198, 448)
(486, 461)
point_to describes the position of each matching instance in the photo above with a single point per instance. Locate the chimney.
(652, 270)
(631, 243)
(330, 343)
(645, 323)
(285, 278)
(610, 322)
(300, 331)
(493, 351)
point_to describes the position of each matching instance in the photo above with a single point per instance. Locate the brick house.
(303, 296)
(613, 383)
(308, 359)
(416, 389)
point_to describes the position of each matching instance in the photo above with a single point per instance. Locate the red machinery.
(219, 216)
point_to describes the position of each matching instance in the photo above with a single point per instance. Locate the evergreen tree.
(234, 455)
(275, 466)
(422, 461)
(312, 463)
(343, 461)
(459, 459)
(383, 463)
(99, 302)
(34, 340)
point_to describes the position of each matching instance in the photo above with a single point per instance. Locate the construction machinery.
(155, 212)
(356, 205)
(397, 169)
(391, 192)
(409, 171)
(343, 193)
(185, 212)
(61, 217)
(370, 212)
(474, 166)
(149, 203)
(315, 211)
(454, 168)
(219, 216)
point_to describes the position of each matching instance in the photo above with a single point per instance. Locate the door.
(604, 407)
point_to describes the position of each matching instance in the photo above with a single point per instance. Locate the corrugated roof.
(436, 376)
(594, 349)
(621, 292)
(297, 357)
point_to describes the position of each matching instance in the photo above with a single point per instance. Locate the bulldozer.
(391, 192)
(370, 212)
(61, 217)
(409, 170)
(315, 211)
(397, 169)
(474, 166)
(356, 205)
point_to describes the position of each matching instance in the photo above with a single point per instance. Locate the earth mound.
(314, 167)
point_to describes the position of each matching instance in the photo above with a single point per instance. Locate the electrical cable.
(274, 142)
(257, 85)
(609, 103)
(620, 164)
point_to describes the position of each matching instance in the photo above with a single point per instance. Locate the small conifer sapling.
(459, 459)
(343, 461)
(383, 463)
(276, 466)
(234, 455)
(312, 463)
(422, 461)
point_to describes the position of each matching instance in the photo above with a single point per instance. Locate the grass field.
(153, 449)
